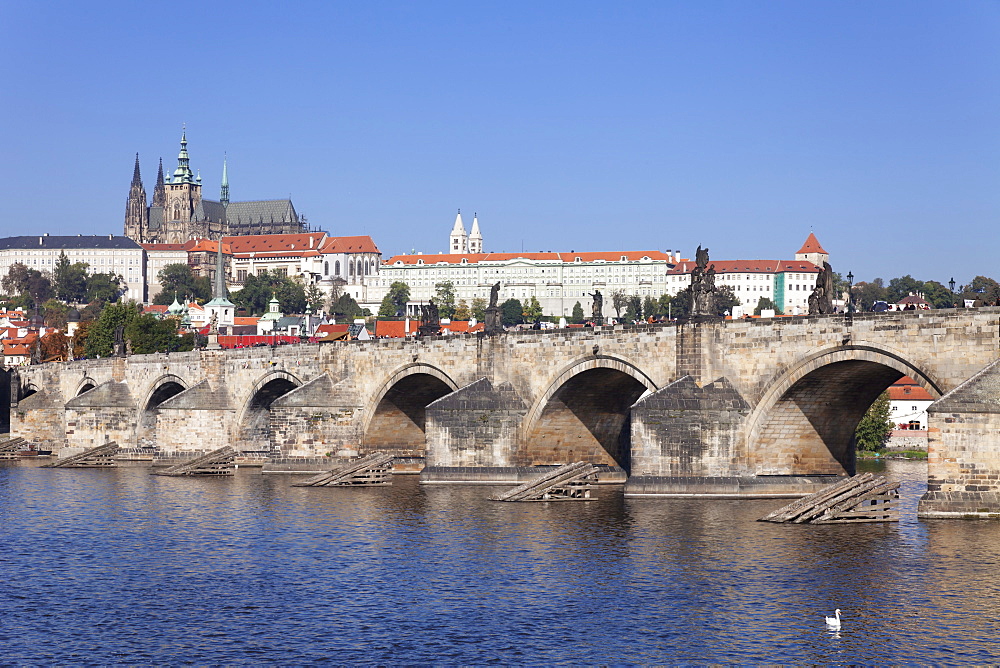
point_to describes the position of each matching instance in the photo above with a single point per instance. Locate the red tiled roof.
(812, 245)
(238, 320)
(330, 329)
(274, 243)
(394, 329)
(472, 258)
(750, 267)
(194, 245)
(913, 299)
(462, 326)
(360, 244)
(155, 308)
(163, 247)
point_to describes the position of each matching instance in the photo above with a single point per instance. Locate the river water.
(118, 566)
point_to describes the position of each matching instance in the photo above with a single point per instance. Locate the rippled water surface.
(120, 566)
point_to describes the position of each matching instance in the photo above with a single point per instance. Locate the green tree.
(901, 287)
(54, 312)
(178, 281)
(70, 280)
(619, 300)
(577, 317)
(105, 288)
(663, 307)
(345, 309)
(649, 308)
(680, 304)
(532, 309)
(462, 311)
(874, 429)
(633, 308)
(314, 297)
(148, 334)
(763, 304)
(394, 303)
(444, 297)
(101, 336)
(511, 312)
(866, 294)
(291, 293)
(478, 308)
(29, 283)
(938, 295)
(982, 289)
(725, 300)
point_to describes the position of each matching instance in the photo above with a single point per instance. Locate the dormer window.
(624, 258)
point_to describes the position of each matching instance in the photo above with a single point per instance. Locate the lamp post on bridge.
(850, 292)
(951, 286)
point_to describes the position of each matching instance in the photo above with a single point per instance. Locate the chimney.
(310, 242)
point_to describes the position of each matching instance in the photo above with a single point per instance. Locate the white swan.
(834, 622)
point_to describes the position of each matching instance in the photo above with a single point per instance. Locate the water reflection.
(121, 566)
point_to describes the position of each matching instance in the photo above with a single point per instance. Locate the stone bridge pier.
(765, 407)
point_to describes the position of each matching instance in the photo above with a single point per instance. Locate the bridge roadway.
(744, 408)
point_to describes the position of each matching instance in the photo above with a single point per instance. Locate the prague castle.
(178, 212)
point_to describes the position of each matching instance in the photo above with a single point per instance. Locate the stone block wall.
(963, 450)
(40, 418)
(476, 425)
(684, 430)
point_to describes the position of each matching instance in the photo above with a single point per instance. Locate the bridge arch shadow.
(163, 388)
(396, 421)
(86, 385)
(584, 415)
(253, 431)
(805, 422)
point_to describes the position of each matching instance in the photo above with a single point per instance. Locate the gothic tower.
(136, 211)
(475, 236)
(159, 191)
(183, 200)
(459, 241)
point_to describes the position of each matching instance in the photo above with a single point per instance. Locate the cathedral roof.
(812, 245)
(278, 210)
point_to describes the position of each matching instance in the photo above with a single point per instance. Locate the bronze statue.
(598, 310)
(703, 287)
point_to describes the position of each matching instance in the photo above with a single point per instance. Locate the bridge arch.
(805, 421)
(166, 386)
(85, 385)
(584, 414)
(396, 419)
(253, 425)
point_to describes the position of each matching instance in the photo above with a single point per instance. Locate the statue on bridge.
(430, 320)
(494, 321)
(821, 298)
(703, 289)
(119, 349)
(597, 314)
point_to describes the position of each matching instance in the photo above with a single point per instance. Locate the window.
(336, 268)
(326, 268)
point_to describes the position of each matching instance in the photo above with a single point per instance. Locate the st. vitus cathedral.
(178, 212)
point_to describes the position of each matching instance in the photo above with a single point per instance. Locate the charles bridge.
(731, 408)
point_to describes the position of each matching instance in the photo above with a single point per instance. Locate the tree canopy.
(178, 281)
(874, 429)
(394, 303)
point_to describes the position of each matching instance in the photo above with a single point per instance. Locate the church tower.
(136, 211)
(159, 191)
(459, 242)
(811, 251)
(183, 200)
(475, 236)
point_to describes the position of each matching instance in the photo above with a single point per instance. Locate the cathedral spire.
(475, 236)
(160, 190)
(458, 240)
(183, 173)
(136, 178)
(224, 197)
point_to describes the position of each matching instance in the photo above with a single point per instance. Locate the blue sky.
(741, 126)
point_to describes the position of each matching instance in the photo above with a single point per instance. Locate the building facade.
(786, 283)
(178, 212)
(103, 254)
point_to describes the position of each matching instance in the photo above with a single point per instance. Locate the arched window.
(350, 267)
(336, 268)
(368, 269)
(326, 268)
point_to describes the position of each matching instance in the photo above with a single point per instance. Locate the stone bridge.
(744, 408)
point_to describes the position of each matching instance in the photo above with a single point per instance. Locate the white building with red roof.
(787, 283)
(557, 279)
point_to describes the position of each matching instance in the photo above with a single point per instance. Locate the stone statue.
(703, 289)
(430, 321)
(493, 323)
(119, 349)
(598, 310)
(821, 298)
(213, 324)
